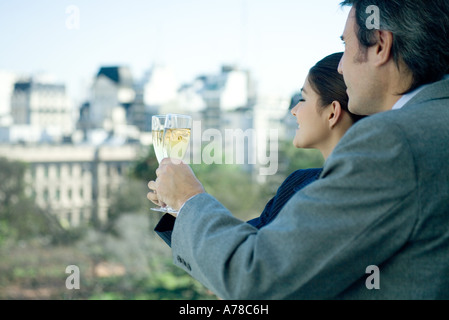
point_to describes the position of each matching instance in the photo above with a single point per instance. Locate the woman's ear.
(335, 114)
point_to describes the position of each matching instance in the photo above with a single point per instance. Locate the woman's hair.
(329, 84)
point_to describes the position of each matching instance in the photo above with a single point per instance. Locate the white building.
(271, 128)
(24, 133)
(43, 105)
(113, 88)
(228, 90)
(73, 182)
(235, 92)
(160, 89)
(190, 98)
(7, 80)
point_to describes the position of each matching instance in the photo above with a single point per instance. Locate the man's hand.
(175, 184)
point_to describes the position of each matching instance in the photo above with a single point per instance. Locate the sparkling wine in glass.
(175, 141)
(176, 135)
(157, 133)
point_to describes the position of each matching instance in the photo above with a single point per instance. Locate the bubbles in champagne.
(176, 142)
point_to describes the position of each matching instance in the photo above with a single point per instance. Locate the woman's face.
(313, 128)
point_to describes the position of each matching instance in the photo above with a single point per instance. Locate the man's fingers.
(167, 161)
(152, 185)
(152, 196)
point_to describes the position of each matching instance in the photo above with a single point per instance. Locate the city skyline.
(277, 41)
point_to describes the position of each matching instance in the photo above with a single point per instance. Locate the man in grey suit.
(376, 223)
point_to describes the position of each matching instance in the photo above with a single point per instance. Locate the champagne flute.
(157, 133)
(175, 141)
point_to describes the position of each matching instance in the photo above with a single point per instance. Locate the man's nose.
(340, 66)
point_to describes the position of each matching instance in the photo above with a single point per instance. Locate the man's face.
(357, 72)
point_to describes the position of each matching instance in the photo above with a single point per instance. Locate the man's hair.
(420, 31)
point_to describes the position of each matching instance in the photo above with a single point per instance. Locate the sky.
(277, 40)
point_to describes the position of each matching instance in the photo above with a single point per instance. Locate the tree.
(292, 159)
(145, 166)
(130, 198)
(20, 217)
(234, 188)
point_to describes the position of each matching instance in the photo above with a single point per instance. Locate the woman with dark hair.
(323, 118)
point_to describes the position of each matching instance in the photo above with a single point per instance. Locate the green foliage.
(13, 185)
(20, 217)
(129, 198)
(6, 233)
(145, 166)
(234, 188)
(292, 159)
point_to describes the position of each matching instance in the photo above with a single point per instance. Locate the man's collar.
(407, 97)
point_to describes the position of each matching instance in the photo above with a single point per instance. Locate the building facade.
(113, 88)
(44, 106)
(75, 183)
(7, 81)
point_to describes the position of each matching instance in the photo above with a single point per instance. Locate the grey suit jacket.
(382, 200)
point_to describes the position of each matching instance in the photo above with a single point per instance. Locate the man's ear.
(335, 114)
(383, 47)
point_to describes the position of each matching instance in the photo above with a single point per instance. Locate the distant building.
(25, 133)
(138, 115)
(270, 123)
(44, 106)
(84, 124)
(229, 91)
(75, 183)
(160, 89)
(112, 88)
(7, 81)
(190, 98)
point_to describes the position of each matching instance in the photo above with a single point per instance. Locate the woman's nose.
(293, 111)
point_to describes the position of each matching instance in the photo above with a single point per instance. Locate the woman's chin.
(297, 144)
